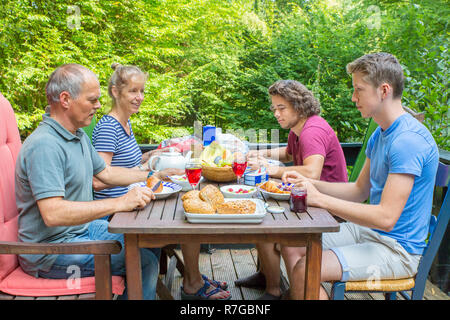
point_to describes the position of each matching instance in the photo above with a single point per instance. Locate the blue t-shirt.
(405, 147)
(110, 136)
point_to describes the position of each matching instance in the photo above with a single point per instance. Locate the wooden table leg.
(313, 267)
(133, 267)
(103, 282)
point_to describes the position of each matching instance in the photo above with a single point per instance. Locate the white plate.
(183, 182)
(169, 188)
(277, 196)
(235, 187)
(257, 217)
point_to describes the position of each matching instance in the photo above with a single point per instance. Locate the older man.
(54, 183)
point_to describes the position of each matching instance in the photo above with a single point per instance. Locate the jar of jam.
(297, 200)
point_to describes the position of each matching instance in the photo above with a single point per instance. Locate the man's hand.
(137, 197)
(312, 194)
(293, 177)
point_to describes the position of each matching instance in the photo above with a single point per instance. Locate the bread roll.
(212, 195)
(197, 206)
(193, 194)
(237, 207)
(272, 186)
(152, 181)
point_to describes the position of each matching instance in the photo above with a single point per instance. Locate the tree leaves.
(213, 60)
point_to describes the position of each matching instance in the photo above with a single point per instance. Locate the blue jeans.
(63, 267)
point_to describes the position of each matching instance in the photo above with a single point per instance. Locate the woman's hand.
(169, 172)
(255, 163)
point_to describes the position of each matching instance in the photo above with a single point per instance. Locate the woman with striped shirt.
(113, 136)
(114, 140)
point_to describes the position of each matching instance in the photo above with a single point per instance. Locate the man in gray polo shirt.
(53, 181)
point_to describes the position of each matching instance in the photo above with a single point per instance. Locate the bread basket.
(218, 174)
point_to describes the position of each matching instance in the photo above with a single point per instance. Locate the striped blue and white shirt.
(110, 136)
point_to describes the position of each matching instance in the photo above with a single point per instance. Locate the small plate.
(183, 182)
(274, 209)
(233, 191)
(169, 188)
(277, 196)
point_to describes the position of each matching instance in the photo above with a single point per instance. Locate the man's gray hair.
(68, 77)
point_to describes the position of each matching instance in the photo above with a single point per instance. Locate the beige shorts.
(366, 254)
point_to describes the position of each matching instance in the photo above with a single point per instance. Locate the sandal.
(218, 284)
(201, 294)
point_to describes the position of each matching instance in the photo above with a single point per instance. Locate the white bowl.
(183, 182)
(169, 188)
(277, 196)
(231, 191)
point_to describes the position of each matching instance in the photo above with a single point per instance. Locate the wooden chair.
(438, 226)
(14, 282)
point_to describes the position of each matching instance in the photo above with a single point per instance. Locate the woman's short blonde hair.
(379, 68)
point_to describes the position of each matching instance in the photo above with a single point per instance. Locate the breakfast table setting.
(217, 201)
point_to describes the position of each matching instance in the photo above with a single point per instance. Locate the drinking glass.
(239, 166)
(297, 200)
(193, 170)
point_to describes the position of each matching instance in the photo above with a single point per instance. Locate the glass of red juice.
(297, 200)
(239, 166)
(193, 170)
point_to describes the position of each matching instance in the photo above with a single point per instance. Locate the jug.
(171, 159)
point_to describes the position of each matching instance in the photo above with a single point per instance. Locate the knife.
(156, 186)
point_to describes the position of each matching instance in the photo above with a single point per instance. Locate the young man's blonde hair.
(380, 68)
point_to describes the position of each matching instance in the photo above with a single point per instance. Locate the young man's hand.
(293, 177)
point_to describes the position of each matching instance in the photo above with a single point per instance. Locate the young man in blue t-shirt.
(383, 239)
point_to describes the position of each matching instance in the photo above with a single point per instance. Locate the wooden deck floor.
(230, 264)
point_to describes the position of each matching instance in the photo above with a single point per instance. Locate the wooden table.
(162, 222)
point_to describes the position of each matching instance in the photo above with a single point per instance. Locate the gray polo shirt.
(52, 163)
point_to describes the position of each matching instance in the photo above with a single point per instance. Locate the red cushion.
(19, 283)
(8, 262)
(9, 148)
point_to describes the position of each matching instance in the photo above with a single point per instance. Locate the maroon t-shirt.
(317, 137)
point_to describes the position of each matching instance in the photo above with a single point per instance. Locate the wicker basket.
(218, 174)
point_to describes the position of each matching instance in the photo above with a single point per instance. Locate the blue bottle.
(209, 135)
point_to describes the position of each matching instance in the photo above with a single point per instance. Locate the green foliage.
(213, 60)
(431, 94)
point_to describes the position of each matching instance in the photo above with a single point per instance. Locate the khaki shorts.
(365, 254)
